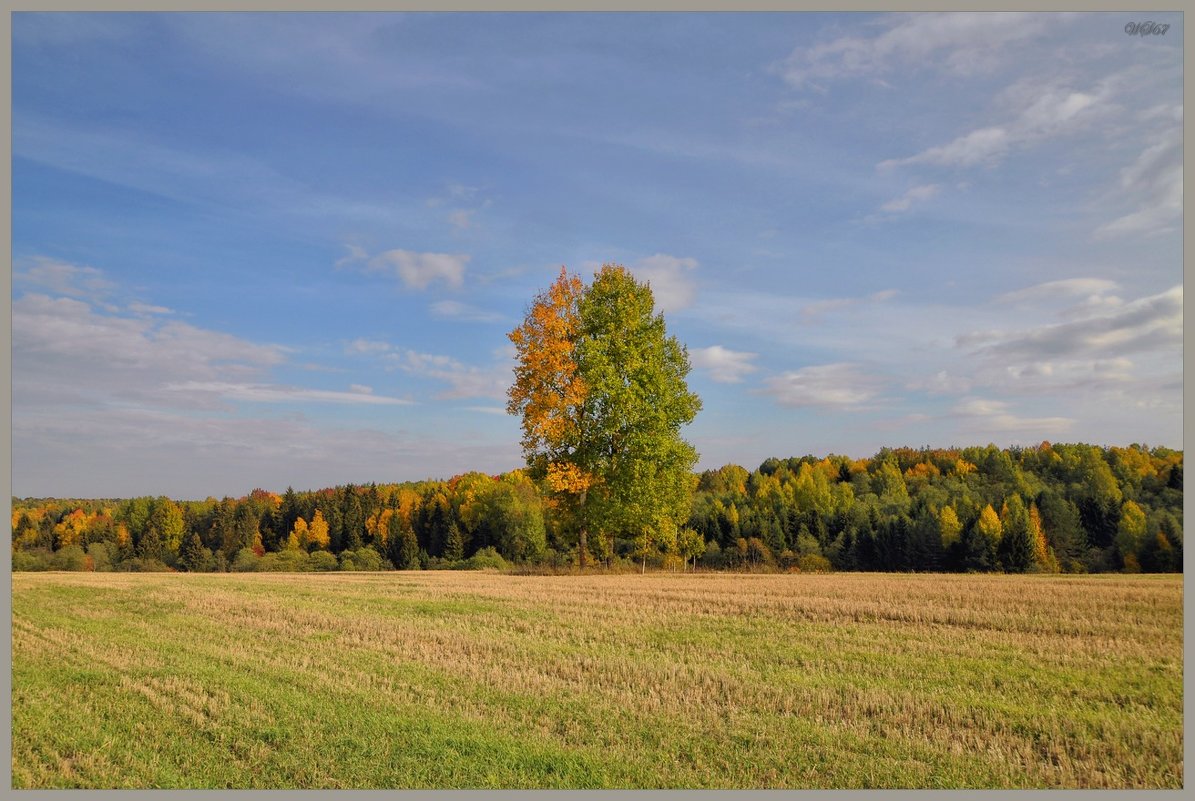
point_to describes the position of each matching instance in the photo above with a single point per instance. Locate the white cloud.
(814, 310)
(498, 410)
(67, 357)
(356, 253)
(1041, 112)
(1052, 292)
(670, 279)
(1145, 325)
(462, 219)
(365, 346)
(725, 366)
(463, 380)
(984, 415)
(914, 195)
(420, 270)
(959, 43)
(833, 386)
(455, 310)
(145, 308)
(64, 278)
(273, 393)
(1155, 183)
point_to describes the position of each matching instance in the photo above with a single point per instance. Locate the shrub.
(245, 561)
(485, 559)
(38, 559)
(71, 558)
(814, 563)
(362, 559)
(101, 556)
(145, 564)
(322, 560)
(287, 561)
(713, 554)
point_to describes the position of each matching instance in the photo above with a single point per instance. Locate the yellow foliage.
(566, 477)
(962, 467)
(923, 470)
(547, 391)
(298, 536)
(71, 529)
(317, 531)
(381, 531)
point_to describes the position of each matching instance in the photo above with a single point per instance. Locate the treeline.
(1070, 508)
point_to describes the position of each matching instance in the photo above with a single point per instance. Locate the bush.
(245, 561)
(38, 559)
(814, 563)
(672, 562)
(287, 561)
(362, 559)
(143, 565)
(485, 559)
(322, 560)
(71, 558)
(713, 554)
(101, 556)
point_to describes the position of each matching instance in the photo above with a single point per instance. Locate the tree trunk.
(582, 538)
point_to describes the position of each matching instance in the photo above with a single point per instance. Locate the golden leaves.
(568, 478)
(547, 391)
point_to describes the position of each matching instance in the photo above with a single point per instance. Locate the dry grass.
(484, 680)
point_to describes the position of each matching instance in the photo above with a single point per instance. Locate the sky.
(272, 250)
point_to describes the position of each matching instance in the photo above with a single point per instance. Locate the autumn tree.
(1017, 543)
(317, 531)
(602, 393)
(1130, 535)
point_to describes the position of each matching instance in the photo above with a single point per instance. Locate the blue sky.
(261, 250)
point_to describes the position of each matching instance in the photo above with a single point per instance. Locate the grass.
(470, 680)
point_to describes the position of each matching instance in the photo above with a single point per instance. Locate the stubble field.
(482, 680)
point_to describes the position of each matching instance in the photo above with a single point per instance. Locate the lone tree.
(601, 390)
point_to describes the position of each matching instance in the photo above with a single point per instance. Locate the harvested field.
(451, 679)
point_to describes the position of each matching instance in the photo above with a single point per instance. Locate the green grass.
(480, 680)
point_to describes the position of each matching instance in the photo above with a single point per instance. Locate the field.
(483, 680)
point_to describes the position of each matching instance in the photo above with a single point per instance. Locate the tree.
(317, 531)
(1130, 535)
(454, 544)
(194, 557)
(691, 545)
(549, 393)
(602, 393)
(401, 545)
(1017, 543)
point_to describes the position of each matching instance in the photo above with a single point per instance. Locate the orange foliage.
(566, 477)
(547, 391)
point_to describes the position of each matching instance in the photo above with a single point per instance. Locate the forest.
(1052, 508)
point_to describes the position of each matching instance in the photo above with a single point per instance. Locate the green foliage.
(814, 563)
(245, 561)
(602, 393)
(903, 510)
(362, 559)
(322, 561)
(485, 559)
(34, 560)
